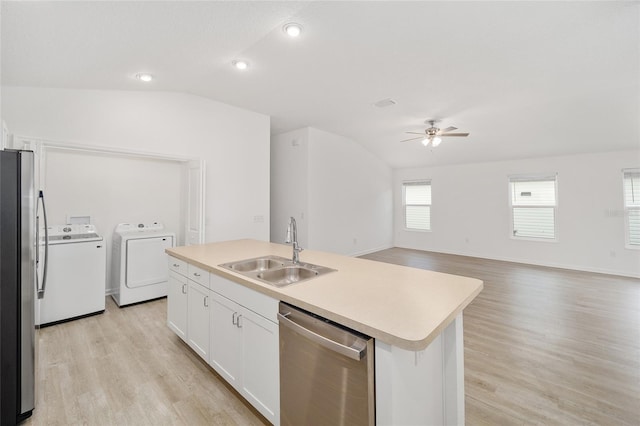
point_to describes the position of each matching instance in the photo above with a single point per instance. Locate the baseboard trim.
(534, 263)
(369, 251)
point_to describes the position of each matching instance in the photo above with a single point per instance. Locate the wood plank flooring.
(542, 346)
(125, 367)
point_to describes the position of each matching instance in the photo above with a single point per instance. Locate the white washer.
(76, 274)
(139, 265)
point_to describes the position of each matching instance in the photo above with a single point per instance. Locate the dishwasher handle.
(347, 351)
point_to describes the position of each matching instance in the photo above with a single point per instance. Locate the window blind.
(632, 205)
(533, 206)
(417, 205)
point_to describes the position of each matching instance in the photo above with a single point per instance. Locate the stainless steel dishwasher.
(326, 371)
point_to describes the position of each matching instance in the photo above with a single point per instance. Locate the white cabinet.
(226, 338)
(233, 328)
(261, 364)
(188, 305)
(177, 304)
(244, 347)
(198, 319)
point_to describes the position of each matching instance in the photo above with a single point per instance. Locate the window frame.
(532, 178)
(626, 210)
(404, 203)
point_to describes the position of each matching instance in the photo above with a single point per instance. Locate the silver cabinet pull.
(205, 300)
(184, 289)
(175, 265)
(195, 274)
(238, 324)
(233, 318)
(348, 351)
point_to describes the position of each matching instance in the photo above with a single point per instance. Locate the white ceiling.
(526, 79)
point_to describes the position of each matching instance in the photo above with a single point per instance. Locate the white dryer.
(139, 264)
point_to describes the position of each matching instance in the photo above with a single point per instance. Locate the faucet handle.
(287, 239)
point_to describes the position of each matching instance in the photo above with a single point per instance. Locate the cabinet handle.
(205, 300)
(238, 324)
(233, 318)
(175, 265)
(195, 274)
(184, 289)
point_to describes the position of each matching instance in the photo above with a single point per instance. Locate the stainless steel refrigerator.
(19, 252)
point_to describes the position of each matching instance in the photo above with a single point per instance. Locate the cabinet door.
(198, 319)
(261, 364)
(225, 338)
(177, 305)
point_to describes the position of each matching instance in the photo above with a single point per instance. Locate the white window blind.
(533, 206)
(417, 205)
(632, 205)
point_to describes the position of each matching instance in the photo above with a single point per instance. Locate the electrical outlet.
(258, 219)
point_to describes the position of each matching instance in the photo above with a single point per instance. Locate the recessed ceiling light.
(144, 77)
(241, 65)
(292, 29)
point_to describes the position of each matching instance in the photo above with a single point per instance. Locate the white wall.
(289, 184)
(350, 196)
(470, 212)
(233, 142)
(113, 189)
(340, 193)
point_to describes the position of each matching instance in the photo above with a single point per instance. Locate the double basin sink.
(277, 271)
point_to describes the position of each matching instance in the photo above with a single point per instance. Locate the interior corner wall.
(470, 212)
(350, 196)
(178, 124)
(289, 187)
(339, 193)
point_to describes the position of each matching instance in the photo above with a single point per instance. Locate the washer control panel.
(124, 228)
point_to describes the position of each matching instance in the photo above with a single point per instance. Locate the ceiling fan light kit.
(144, 77)
(433, 135)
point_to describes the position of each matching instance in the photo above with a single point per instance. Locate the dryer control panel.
(123, 228)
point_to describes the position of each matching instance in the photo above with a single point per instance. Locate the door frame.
(41, 146)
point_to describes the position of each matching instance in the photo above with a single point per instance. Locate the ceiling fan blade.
(416, 133)
(448, 129)
(413, 139)
(454, 134)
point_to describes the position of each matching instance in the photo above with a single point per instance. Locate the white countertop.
(399, 305)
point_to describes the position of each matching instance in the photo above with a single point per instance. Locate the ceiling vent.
(385, 103)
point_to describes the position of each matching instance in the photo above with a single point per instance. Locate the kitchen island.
(414, 315)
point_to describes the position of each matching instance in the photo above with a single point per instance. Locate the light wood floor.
(125, 367)
(542, 346)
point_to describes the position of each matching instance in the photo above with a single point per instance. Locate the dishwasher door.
(326, 371)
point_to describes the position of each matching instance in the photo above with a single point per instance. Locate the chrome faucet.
(293, 229)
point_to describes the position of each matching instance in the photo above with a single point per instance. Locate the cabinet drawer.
(253, 300)
(198, 275)
(177, 265)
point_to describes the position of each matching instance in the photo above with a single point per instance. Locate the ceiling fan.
(433, 135)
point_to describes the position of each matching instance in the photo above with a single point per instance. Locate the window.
(533, 207)
(632, 206)
(417, 205)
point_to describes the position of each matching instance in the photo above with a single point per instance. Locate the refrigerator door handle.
(46, 245)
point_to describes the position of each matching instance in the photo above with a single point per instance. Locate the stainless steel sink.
(277, 271)
(287, 275)
(258, 264)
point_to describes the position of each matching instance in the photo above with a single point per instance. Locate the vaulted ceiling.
(526, 79)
